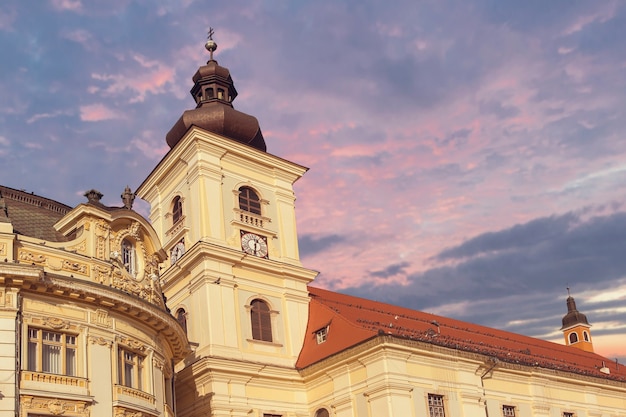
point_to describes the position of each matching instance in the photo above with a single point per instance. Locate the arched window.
(177, 210)
(128, 257)
(261, 321)
(249, 200)
(181, 317)
(586, 336)
(573, 338)
(322, 412)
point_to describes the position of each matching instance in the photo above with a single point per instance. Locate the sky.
(467, 158)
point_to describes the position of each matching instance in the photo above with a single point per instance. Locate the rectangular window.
(508, 411)
(435, 405)
(321, 335)
(131, 369)
(51, 352)
(272, 415)
(567, 414)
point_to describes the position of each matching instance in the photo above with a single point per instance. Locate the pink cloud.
(153, 79)
(98, 112)
(7, 18)
(82, 37)
(73, 5)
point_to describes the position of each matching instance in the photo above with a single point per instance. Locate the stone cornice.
(34, 279)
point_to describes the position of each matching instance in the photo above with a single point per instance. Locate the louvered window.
(261, 319)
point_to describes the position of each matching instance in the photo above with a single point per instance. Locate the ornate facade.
(206, 309)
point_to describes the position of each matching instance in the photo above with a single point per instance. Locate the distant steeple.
(576, 328)
(214, 92)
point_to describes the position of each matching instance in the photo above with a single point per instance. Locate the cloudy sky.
(467, 157)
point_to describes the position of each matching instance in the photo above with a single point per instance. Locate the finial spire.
(210, 44)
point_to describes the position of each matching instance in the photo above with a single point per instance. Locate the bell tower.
(576, 328)
(224, 209)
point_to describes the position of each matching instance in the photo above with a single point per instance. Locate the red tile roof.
(353, 320)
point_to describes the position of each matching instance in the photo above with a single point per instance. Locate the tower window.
(209, 93)
(586, 336)
(508, 411)
(220, 94)
(261, 321)
(177, 210)
(128, 257)
(181, 317)
(573, 338)
(249, 200)
(435, 405)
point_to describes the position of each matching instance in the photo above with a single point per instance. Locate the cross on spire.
(210, 45)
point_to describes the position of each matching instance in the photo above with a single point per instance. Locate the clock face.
(177, 252)
(254, 244)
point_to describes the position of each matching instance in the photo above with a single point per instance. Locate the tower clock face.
(254, 244)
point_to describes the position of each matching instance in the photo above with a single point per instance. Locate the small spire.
(210, 44)
(127, 198)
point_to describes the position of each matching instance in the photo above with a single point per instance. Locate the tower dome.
(214, 92)
(576, 328)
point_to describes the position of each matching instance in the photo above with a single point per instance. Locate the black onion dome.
(573, 316)
(214, 92)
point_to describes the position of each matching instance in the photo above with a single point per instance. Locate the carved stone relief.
(56, 323)
(98, 340)
(132, 343)
(54, 406)
(64, 264)
(100, 318)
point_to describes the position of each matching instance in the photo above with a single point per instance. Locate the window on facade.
(128, 257)
(568, 414)
(272, 415)
(261, 319)
(181, 316)
(321, 335)
(249, 200)
(435, 405)
(131, 369)
(508, 411)
(586, 336)
(51, 352)
(177, 210)
(573, 338)
(322, 412)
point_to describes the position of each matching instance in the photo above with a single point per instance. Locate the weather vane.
(210, 45)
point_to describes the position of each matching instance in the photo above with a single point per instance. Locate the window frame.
(181, 318)
(177, 209)
(129, 256)
(249, 200)
(66, 363)
(321, 335)
(574, 336)
(261, 321)
(436, 405)
(508, 411)
(134, 362)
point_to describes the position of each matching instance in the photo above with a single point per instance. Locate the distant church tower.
(576, 327)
